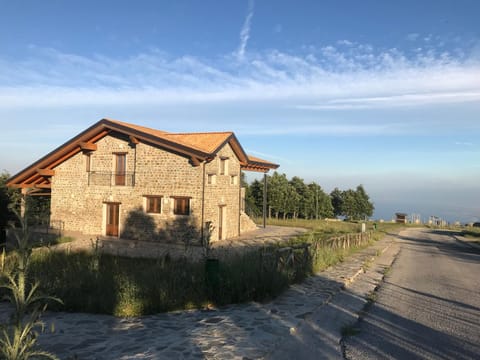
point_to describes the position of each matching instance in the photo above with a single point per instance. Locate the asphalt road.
(429, 305)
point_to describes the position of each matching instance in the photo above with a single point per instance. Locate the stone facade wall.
(223, 191)
(79, 197)
(246, 224)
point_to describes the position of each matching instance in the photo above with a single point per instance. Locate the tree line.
(295, 199)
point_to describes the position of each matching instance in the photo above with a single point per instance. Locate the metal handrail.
(111, 178)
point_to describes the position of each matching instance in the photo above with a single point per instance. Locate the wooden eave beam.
(134, 140)
(43, 186)
(39, 192)
(46, 172)
(237, 148)
(87, 146)
(24, 178)
(195, 161)
(100, 135)
(257, 168)
(30, 179)
(65, 157)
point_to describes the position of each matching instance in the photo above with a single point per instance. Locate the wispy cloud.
(245, 32)
(394, 101)
(463, 143)
(347, 76)
(326, 128)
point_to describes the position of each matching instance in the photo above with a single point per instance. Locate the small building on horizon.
(401, 218)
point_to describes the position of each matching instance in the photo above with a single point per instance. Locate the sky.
(340, 92)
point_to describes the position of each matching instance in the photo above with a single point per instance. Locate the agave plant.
(18, 337)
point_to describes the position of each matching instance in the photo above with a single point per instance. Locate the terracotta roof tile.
(144, 129)
(208, 142)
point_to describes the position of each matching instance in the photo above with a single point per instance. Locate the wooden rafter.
(134, 140)
(43, 186)
(195, 161)
(87, 146)
(46, 172)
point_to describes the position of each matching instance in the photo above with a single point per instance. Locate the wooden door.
(112, 219)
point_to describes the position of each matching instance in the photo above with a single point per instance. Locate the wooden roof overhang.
(259, 166)
(38, 175)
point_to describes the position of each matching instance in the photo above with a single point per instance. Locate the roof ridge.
(131, 125)
(201, 133)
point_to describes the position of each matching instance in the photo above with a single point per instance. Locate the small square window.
(211, 179)
(154, 204)
(233, 180)
(181, 206)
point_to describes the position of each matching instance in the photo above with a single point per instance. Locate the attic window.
(223, 165)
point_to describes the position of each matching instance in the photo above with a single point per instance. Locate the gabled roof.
(197, 147)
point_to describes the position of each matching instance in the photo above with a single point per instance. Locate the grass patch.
(121, 286)
(94, 282)
(471, 233)
(371, 296)
(387, 270)
(331, 228)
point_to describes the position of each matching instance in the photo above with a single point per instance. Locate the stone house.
(123, 180)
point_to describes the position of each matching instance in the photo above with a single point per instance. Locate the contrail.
(245, 32)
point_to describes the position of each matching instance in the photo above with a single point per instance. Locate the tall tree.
(9, 201)
(337, 201)
(291, 202)
(364, 206)
(349, 207)
(277, 188)
(324, 205)
(254, 198)
(4, 201)
(319, 203)
(300, 198)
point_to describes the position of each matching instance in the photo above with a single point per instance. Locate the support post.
(265, 200)
(23, 202)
